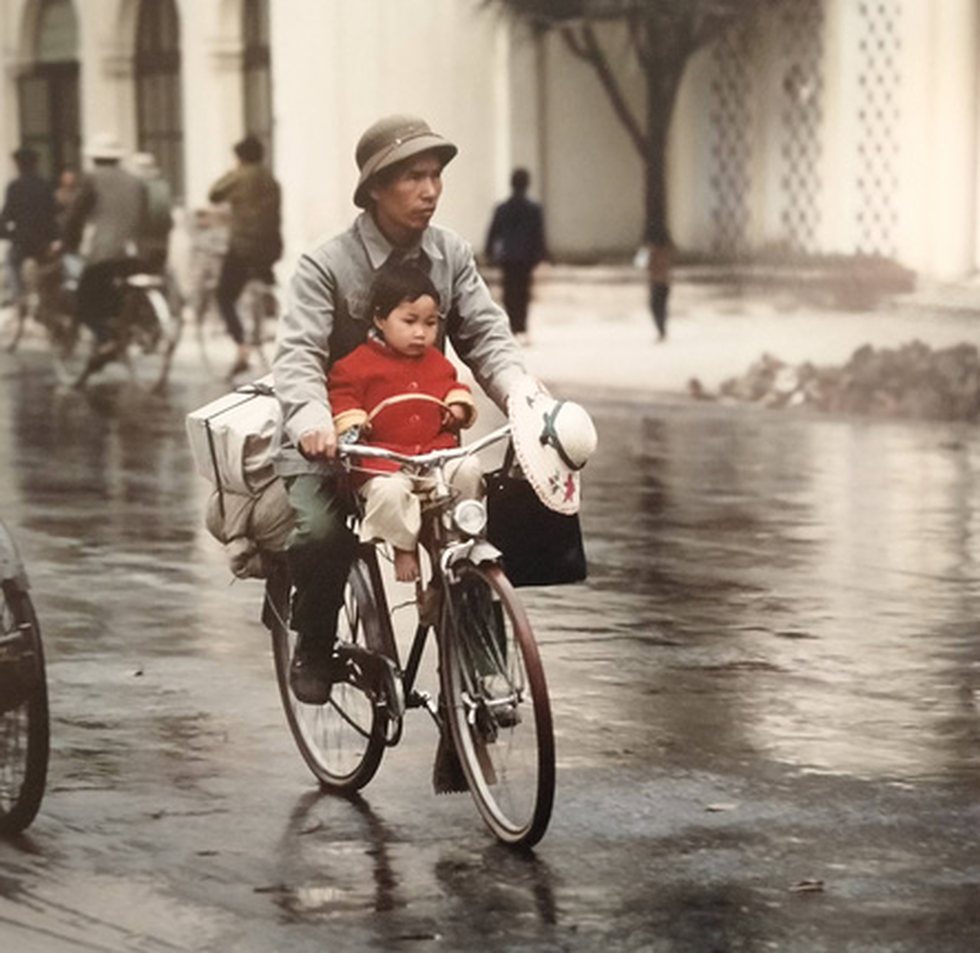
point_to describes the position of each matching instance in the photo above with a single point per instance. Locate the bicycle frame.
(445, 544)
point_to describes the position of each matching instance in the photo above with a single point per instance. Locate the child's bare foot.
(406, 565)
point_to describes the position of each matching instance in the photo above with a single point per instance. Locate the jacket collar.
(379, 249)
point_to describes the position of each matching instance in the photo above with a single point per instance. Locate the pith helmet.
(392, 140)
(104, 145)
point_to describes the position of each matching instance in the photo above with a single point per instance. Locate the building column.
(953, 216)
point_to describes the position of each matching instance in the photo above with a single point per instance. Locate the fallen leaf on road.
(807, 886)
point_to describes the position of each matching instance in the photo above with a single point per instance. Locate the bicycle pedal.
(376, 676)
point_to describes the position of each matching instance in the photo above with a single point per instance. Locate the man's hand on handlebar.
(319, 444)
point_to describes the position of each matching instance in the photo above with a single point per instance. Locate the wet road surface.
(767, 699)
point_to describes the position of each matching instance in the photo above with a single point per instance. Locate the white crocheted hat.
(553, 440)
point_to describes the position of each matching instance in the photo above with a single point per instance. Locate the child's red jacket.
(397, 400)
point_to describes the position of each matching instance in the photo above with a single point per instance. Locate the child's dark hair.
(398, 283)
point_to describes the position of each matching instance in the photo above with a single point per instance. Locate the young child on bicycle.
(398, 391)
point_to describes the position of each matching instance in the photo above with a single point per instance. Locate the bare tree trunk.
(663, 43)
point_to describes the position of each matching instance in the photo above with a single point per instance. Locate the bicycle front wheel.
(343, 740)
(24, 727)
(497, 704)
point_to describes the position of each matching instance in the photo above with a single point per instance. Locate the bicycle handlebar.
(423, 459)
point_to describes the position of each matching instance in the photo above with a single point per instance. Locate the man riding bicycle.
(400, 160)
(104, 224)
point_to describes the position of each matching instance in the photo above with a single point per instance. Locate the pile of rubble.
(912, 381)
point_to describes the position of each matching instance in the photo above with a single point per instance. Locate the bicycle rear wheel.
(24, 725)
(497, 705)
(342, 741)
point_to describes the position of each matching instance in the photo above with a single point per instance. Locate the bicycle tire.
(497, 704)
(24, 726)
(342, 741)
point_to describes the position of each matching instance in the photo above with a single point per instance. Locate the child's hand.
(454, 417)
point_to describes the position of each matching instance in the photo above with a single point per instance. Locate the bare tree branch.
(664, 35)
(638, 37)
(585, 45)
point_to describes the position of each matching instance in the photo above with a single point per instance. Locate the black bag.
(540, 547)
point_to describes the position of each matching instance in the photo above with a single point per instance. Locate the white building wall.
(337, 65)
(945, 143)
(689, 162)
(595, 188)
(11, 14)
(211, 77)
(346, 63)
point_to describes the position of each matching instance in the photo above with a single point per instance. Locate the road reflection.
(337, 856)
(761, 583)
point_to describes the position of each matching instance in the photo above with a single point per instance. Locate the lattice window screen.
(731, 148)
(878, 118)
(801, 114)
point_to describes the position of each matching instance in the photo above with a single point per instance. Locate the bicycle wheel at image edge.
(342, 741)
(497, 705)
(24, 725)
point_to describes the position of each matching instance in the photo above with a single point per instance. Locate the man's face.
(405, 202)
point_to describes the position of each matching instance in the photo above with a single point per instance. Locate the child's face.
(411, 327)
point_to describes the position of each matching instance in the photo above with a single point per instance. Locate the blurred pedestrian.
(28, 219)
(659, 261)
(254, 239)
(517, 244)
(103, 225)
(64, 194)
(154, 238)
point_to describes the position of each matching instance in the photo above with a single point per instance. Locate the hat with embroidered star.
(553, 440)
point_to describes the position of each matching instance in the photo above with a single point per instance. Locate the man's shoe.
(311, 674)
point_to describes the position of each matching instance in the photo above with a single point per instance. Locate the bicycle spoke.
(343, 740)
(499, 712)
(23, 712)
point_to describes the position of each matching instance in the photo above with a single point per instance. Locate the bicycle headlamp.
(470, 516)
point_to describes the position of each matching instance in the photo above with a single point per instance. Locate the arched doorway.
(159, 106)
(257, 73)
(48, 90)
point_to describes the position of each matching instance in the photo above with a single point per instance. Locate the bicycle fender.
(161, 310)
(11, 567)
(475, 551)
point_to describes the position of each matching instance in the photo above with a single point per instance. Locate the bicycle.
(24, 717)
(258, 304)
(145, 322)
(493, 713)
(27, 305)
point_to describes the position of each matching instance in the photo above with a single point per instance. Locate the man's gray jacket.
(325, 319)
(112, 203)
